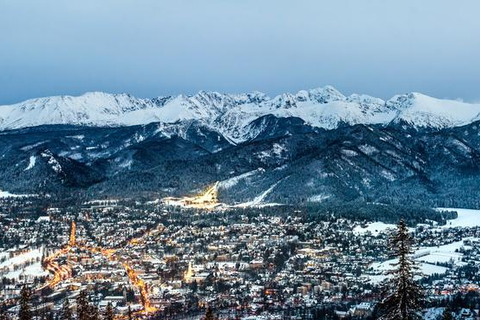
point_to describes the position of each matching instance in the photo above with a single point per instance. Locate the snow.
(375, 228)
(444, 253)
(425, 269)
(6, 194)
(349, 153)
(428, 258)
(388, 175)
(229, 183)
(258, 201)
(78, 137)
(21, 258)
(7, 267)
(276, 151)
(367, 149)
(31, 146)
(466, 218)
(434, 313)
(426, 111)
(232, 114)
(319, 198)
(31, 163)
(33, 270)
(55, 165)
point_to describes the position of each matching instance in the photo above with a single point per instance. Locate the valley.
(254, 206)
(172, 260)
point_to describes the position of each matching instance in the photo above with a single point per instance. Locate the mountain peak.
(230, 114)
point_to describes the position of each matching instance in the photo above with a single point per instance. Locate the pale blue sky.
(153, 47)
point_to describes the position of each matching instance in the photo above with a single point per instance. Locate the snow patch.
(54, 164)
(232, 114)
(6, 194)
(367, 149)
(375, 228)
(31, 163)
(228, 183)
(258, 201)
(318, 198)
(467, 218)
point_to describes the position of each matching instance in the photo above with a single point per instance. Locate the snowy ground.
(375, 228)
(466, 218)
(427, 257)
(258, 201)
(7, 268)
(426, 269)
(443, 253)
(434, 313)
(6, 194)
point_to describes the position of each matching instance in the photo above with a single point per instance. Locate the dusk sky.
(152, 47)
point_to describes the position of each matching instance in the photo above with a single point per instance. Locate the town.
(155, 259)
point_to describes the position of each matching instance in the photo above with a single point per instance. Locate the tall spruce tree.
(66, 311)
(403, 294)
(447, 313)
(93, 313)
(83, 307)
(130, 315)
(109, 314)
(3, 312)
(24, 312)
(209, 315)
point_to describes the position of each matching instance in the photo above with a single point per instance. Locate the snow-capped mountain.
(231, 114)
(309, 147)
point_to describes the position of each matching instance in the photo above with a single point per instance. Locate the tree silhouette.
(109, 314)
(447, 313)
(130, 315)
(209, 315)
(83, 307)
(25, 313)
(3, 312)
(93, 313)
(403, 294)
(66, 312)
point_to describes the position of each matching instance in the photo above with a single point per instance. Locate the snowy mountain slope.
(231, 114)
(305, 164)
(421, 110)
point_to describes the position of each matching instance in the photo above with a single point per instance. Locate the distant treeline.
(353, 210)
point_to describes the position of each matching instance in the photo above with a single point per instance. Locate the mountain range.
(309, 147)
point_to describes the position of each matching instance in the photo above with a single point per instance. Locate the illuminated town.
(161, 260)
(206, 200)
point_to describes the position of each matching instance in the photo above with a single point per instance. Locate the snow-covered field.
(375, 228)
(17, 265)
(466, 218)
(445, 253)
(6, 194)
(428, 257)
(426, 269)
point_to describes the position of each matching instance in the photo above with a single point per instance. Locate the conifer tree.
(209, 315)
(447, 313)
(109, 315)
(3, 312)
(25, 313)
(66, 312)
(93, 313)
(403, 294)
(83, 307)
(130, 315)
